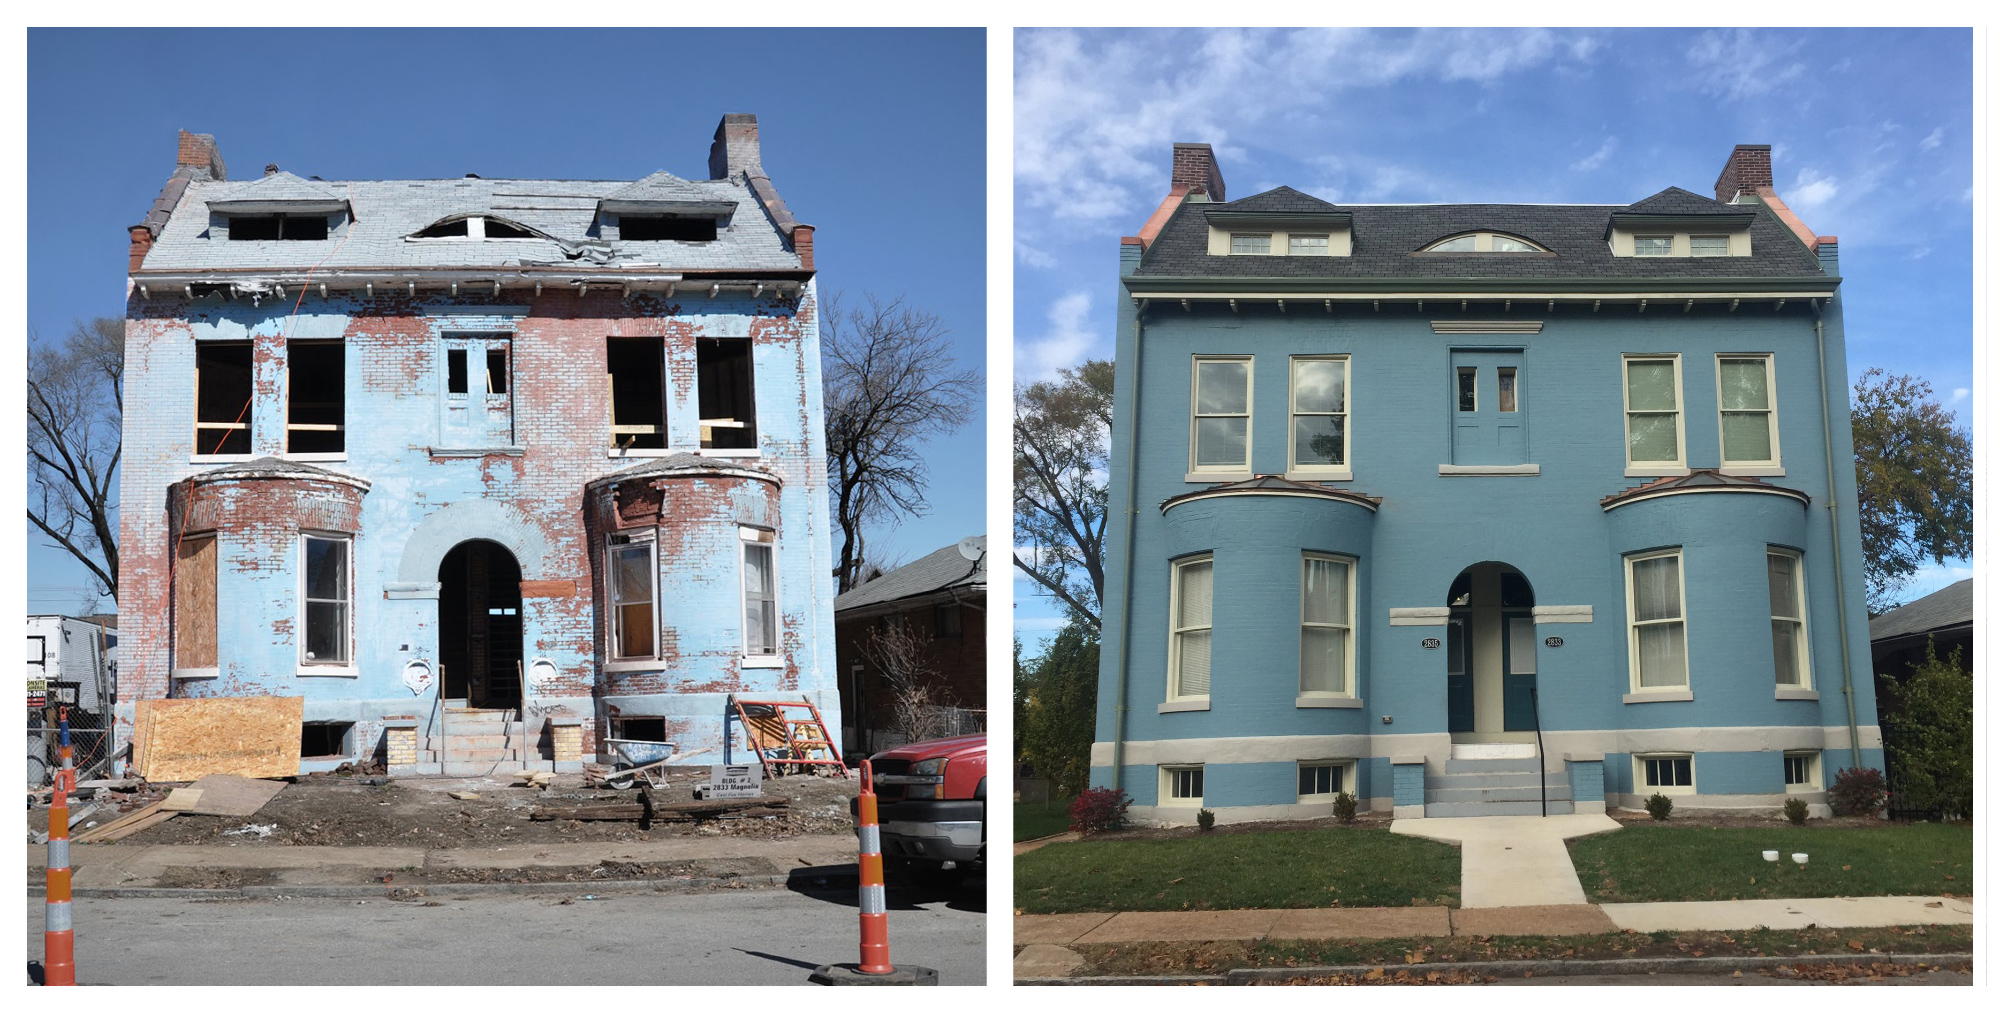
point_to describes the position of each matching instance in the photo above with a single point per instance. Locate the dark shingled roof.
(1277, 484)
(1700, 479)
(1385, 236)
(942, 569)
(1942, 609)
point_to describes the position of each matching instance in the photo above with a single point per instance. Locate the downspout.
(1131, 521)
(1833, 521)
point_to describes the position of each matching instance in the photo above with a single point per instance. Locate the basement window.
(293, 227)
(641, 729)
(324, 739)
(222, 397)
(638, 397)
(316, 413)
(728, 398)
(649, 228)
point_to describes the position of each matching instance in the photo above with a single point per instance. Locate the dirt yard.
(421, 812)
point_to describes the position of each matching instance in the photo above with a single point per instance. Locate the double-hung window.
(1658, 625)
(1749, 420)
(760, 594)
(1221, 415)
(1192, 605)
(1326, 626)
(1665, 774)
(632, 588)
(1252, 243)
(1788, 618)
(1653, 414)
(1180, 786)
(1319, 416)
(327, 599)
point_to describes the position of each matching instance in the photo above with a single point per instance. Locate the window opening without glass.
(1652, 411)
(284, 227)
(316, 403)
(1319, 413)
(1193, 594)
(1659, 632)
(478, 410)
(634, 368)
(653, 228)
(327, 600)
(728, 397)
(1326, 626)
(1788, 626)
(631, 569)
(1744, 397)
(1222, 415)
(222, 397)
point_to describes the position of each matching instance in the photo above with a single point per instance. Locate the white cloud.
(1032, 256)
(1960, 393)
(1740, 64)
(1935, 138)
(1920, 253)
(1812, 190)
(1067, 342)
(1596, 158)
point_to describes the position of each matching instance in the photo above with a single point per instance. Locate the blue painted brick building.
(513, 466)
(1462, 508)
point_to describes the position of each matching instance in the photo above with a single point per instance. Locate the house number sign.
(1432, 643)
(1553, 642)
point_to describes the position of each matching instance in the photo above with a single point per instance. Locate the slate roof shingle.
(942, 569)
(1946, 607)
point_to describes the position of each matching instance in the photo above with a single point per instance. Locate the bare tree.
(76, 410)
(1062, 436)
(901, 653)
(890, 384)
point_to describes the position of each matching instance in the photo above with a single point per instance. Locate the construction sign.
(38, 694)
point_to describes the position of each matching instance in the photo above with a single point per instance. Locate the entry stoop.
(1495, 779)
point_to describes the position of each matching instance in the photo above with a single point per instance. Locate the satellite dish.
(970, 548)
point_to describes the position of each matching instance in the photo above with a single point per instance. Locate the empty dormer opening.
(474, 227)
(497, 229)
(728, 398)
(456, 228)
(222, 397)
(296, 227)
(638, 402)
(646, 228)
(316, 412)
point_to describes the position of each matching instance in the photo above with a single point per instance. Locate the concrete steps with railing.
(1495, 780)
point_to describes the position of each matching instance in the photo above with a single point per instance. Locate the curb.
(1516, 968)
(388, 890)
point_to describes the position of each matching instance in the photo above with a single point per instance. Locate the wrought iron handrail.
(1541, 761)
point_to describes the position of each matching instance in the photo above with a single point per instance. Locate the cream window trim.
(1623, 242)
(1633, 625)
(1199, 703)
(1802, 640)
(1231, 471)
(1677, 466)
(1311, 472)
(1812, 783)
(1485, 242)
(1347, 780)
(1167, 785)
(1177, 632)
(1339, 241)
(1643, 790)
(1336, 701)
(1773, 464)
(1347, 688)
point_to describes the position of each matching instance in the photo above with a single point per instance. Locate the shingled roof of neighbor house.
(386, 214)
(1939, 610)
(1387, 239)
(941, 570)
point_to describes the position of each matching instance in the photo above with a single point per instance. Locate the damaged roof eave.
(785, 282)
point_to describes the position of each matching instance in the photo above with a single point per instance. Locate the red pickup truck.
(931, 800)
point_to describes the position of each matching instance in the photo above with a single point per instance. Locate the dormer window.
(1652, 246)
(1253, 243)
(653, 228)
(475, 227)
(293, 227)
(1483, 242)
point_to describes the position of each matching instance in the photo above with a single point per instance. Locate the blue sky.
(1871, 133)
(876, 137)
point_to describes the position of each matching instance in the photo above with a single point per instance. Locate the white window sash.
(1196, 415)
(1634, 625)
(767, 623)
(1345, 415)
(1345, 625)
(619, 604)
(345, 603)
(1679, 462)
(1178, 634)
(1769, 412)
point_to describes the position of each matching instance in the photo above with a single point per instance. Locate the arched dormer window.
(476, 227)
(1483, 242)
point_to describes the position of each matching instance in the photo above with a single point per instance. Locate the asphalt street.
(735, 937)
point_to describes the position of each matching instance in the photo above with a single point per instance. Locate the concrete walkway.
(1512, 861)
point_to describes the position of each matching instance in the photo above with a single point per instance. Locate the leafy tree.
(1058, 708)
(1913, 471)
(1927, 733)
(1062, 437)
(76, 411)
(890, 383)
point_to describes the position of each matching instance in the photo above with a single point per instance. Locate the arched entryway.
(479, 624)
(1490, 656)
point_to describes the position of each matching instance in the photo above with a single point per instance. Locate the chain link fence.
(89, 736)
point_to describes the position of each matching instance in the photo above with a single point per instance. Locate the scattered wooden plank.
(646, 810)
(181, 800)
(98, 833)
(128, 830)
(233, 795)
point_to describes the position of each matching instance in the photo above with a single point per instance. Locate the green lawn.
(1652, 863)
(1041, 819)
(1336, 867)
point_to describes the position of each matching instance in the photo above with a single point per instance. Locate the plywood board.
(230, 795)
(181, 740)
(194, 603)
(181, 800)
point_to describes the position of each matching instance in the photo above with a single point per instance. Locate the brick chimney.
(735, 147)
(142, 244)
(1748, 168)
(197, 152)
(1194, 165)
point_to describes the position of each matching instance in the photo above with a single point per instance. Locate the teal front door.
(1520, 678)
(1489, 408)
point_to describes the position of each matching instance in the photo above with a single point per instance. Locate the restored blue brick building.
(514, 465)
(1440, 504)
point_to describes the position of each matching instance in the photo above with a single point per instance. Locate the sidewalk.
(112, 867)
(1512, 861)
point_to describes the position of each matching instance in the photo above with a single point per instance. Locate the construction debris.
(464, 796)
(647, 811)
(181, 740)
(126, 825)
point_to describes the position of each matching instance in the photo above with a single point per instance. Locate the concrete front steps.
(481, 742)
(1495, 779)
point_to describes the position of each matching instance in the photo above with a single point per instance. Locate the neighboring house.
(418, 449)
(78, 659)
(941, 600)
(1944, 617)
(1419, 492)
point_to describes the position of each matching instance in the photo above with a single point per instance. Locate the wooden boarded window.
(194, 603)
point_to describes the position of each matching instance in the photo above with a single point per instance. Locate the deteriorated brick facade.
(547, 483)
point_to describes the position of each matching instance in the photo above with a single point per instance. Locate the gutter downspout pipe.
(1833, 521)
(1131, 521)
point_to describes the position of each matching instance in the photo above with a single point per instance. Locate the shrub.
(1927, 733)
(1795, 810)
(1097, 810)
(1660, 806)
(1858, 791)
(1343, 807)
(1205, 820)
